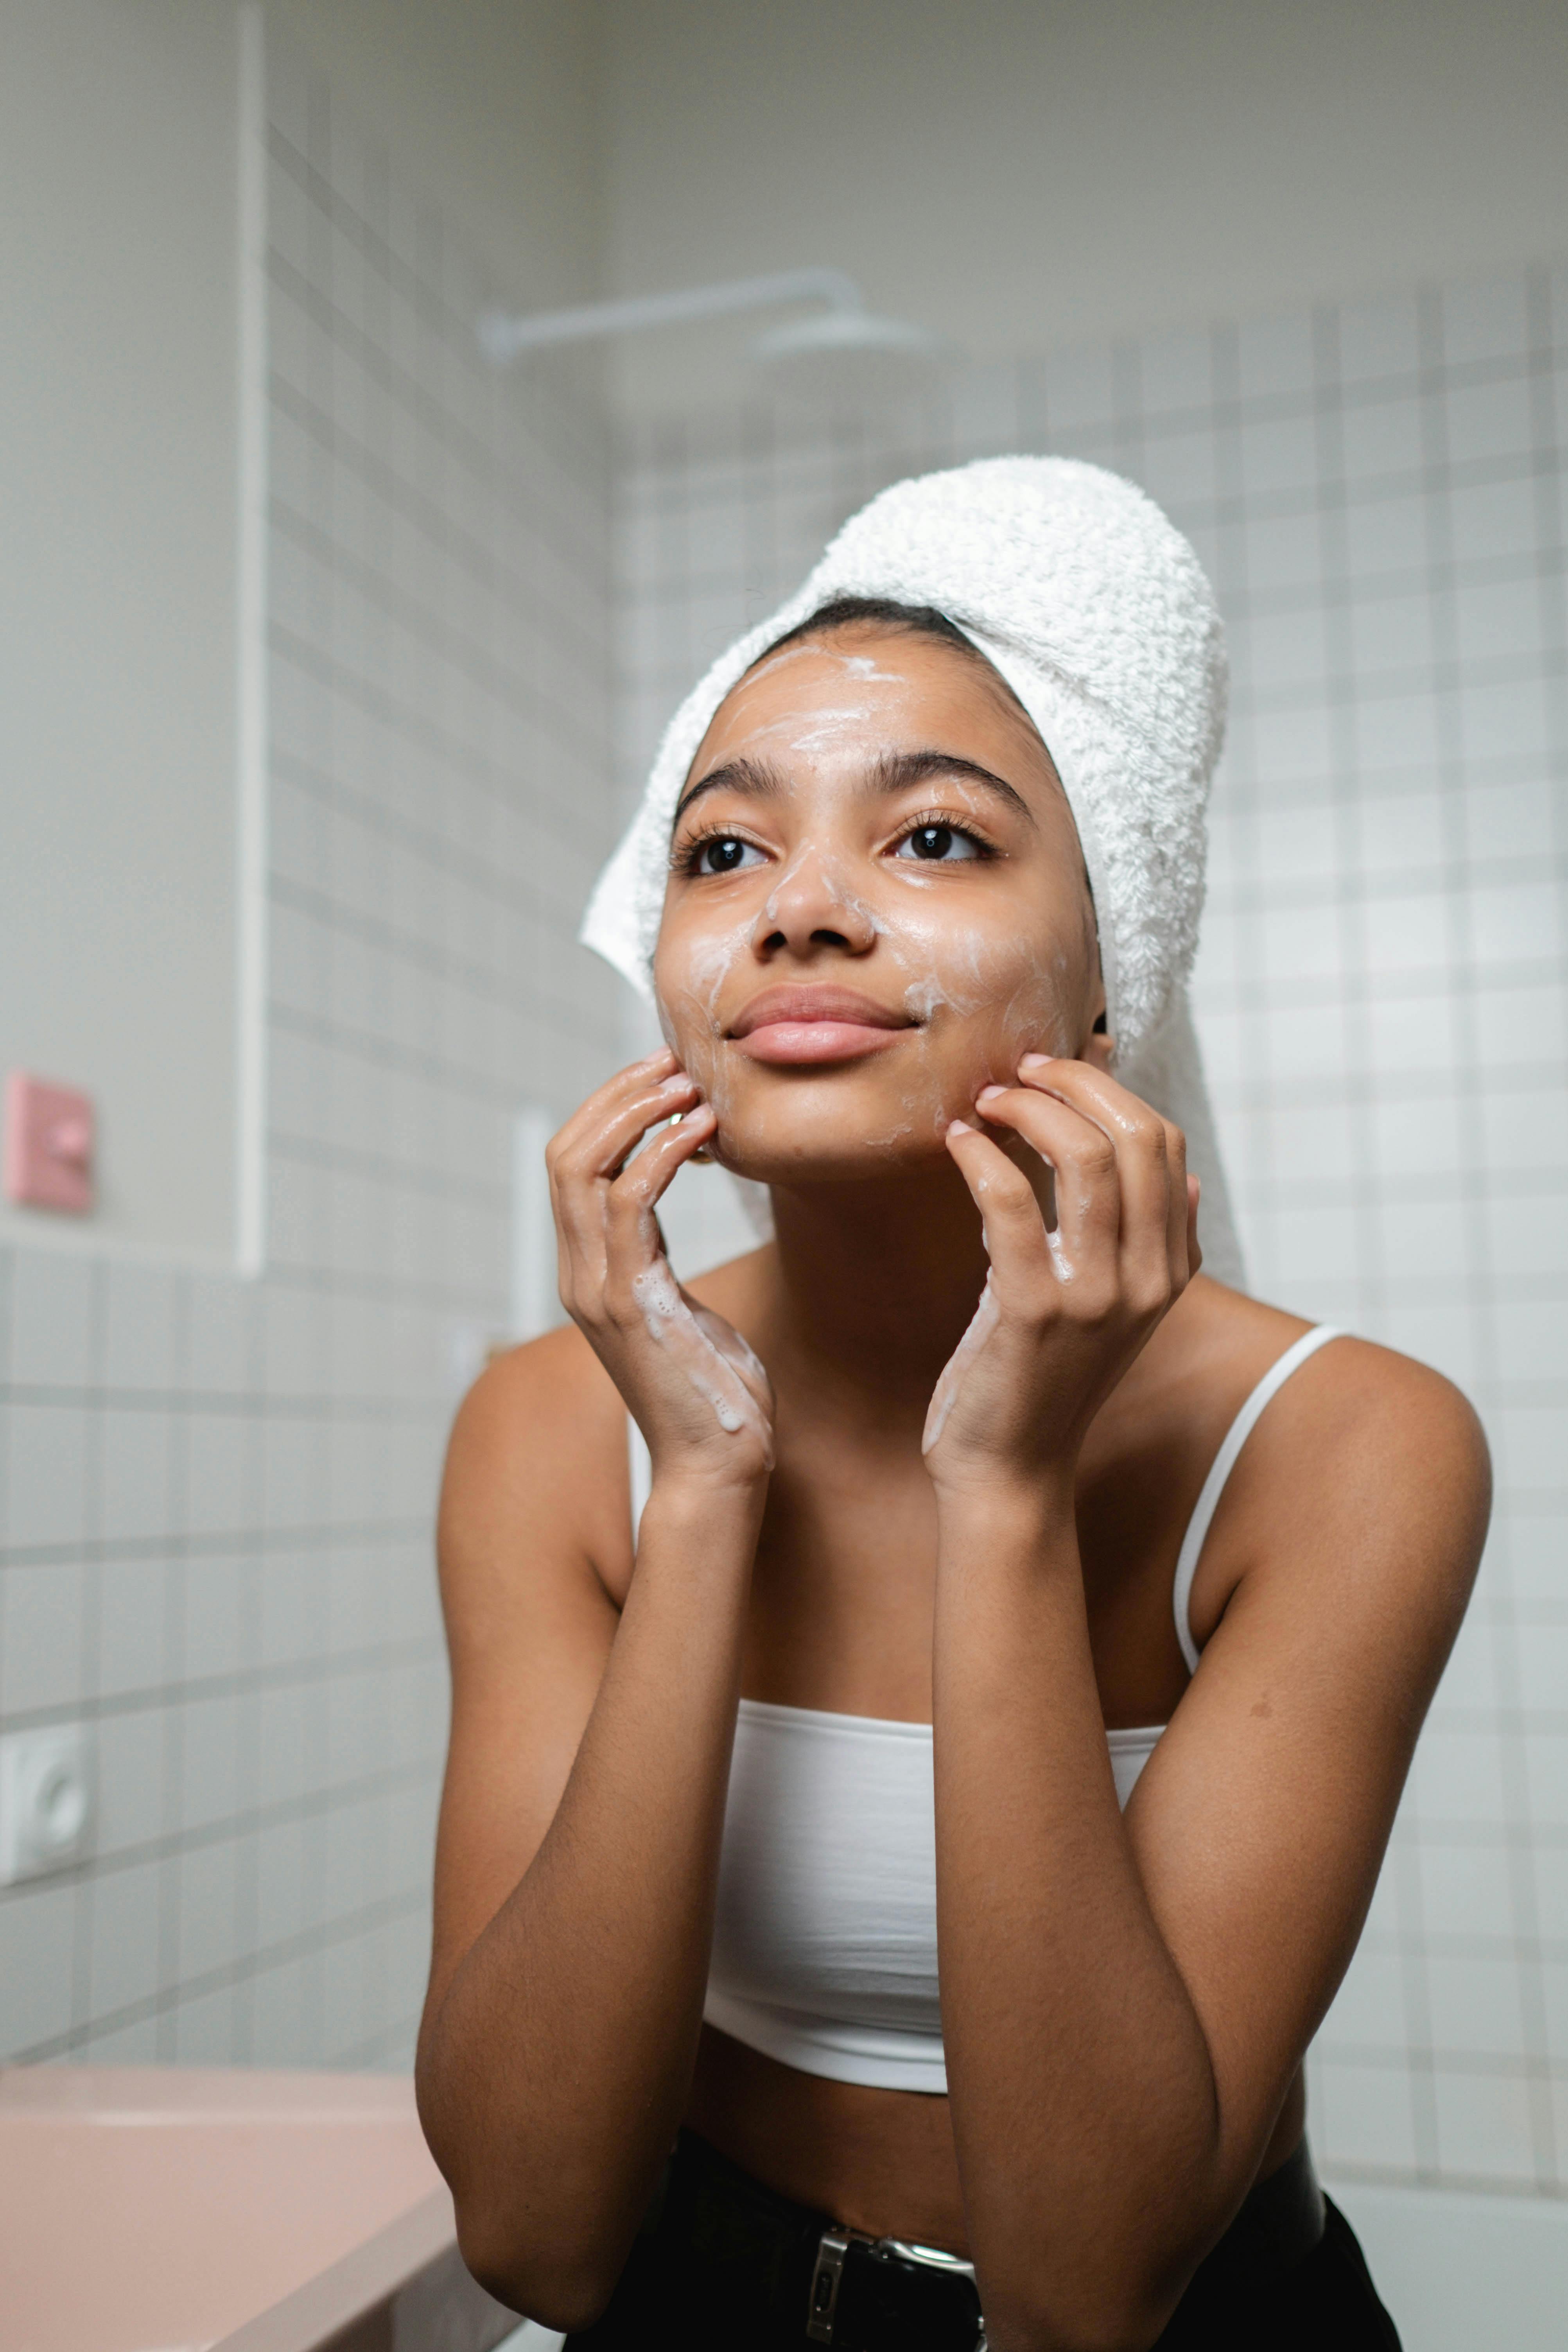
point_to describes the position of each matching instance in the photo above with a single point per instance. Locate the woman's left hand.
(1065, 1309)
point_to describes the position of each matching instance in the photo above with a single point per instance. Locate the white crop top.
(824, 1951)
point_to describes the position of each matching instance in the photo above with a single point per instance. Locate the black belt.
(723, 2260)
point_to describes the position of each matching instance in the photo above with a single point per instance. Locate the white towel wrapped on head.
(1096, 611)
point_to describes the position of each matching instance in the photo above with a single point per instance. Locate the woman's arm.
(1125, 2003)
(583, 1802)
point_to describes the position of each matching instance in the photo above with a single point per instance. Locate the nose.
(811, 906)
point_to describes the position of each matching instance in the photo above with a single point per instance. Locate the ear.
(1099, 1047)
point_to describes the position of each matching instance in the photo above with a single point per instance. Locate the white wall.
(121, 419)
(494, 106)
(215, 1496)
(1028, 173)
(119, 178)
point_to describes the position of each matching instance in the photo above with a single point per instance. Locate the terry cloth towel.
(1096, 611)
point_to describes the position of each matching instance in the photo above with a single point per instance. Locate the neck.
(879, 1280)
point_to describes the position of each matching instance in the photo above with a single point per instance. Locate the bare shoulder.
(1367, 1477)
(536, 1481)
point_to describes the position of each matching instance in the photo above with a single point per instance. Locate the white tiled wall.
(215, 1496)
(1378, 490)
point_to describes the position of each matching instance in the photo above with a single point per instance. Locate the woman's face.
(876, 903)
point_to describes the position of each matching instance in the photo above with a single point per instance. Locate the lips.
(815, 1024)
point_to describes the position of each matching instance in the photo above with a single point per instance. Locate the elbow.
(534, 2240)
(1051, 2328)
(1127, 2314)
(563, 2286)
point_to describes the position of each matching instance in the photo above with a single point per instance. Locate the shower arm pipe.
(506, 337)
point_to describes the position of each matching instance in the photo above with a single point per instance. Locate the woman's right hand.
(698, 1393)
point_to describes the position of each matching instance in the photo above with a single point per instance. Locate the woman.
(867, 1826)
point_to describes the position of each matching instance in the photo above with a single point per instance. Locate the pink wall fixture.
(47, 1161)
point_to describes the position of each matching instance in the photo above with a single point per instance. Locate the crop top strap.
(1223, 1463)
(639, 1461)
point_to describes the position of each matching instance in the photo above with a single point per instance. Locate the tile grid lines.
(1549, 422)
(343, 1038)
(249, 1404)
(1524, 1859)
(177, 1689)
(514, 893)
(1346, 683)
(667, 451)
(569, 447)
(161, 2007)
(560, 443)
(210, 1544)
(86, 1669)
(1235, 797)
(277, 1746)
(427, 734)
(1413, 1943)
(511, 590)
(673, 493)
(476, 664)
(1481, 1289)
(397, 1174)
(437, 963)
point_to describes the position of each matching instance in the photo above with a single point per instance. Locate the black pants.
(723, 2264)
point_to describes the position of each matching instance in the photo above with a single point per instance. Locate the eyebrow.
(892, 772)
(755, 779)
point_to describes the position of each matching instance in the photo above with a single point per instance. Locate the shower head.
(850, 351)
(840, 347)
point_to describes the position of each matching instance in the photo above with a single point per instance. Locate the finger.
(598, 1142)
(1153, 1203)
(1017, 1241)
(636, 1078)
(628, 1238)
(630, 1222)
(602, 1148)
(1082, 1082)
(1088, 1202)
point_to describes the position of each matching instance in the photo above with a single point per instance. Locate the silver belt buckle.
(826, 2278)
(931, 2258)
(936, 2258)
(828, 2271)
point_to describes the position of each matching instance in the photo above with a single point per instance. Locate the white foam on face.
(818, 732)
(834, 888)
(945, 974)
(689, 1017)
(1022, 987)
(858, 666)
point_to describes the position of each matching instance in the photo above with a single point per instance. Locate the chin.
(830, 1135)
(840, 1162)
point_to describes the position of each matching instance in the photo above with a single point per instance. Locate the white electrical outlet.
(45, 1800)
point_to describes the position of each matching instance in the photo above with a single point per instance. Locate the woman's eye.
(938, 844)
(723, 854)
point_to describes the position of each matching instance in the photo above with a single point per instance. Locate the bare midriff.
(881, 2161)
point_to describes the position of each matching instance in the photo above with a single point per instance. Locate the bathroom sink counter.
(171, 2209)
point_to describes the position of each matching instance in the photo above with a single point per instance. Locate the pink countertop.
(160, 2210)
